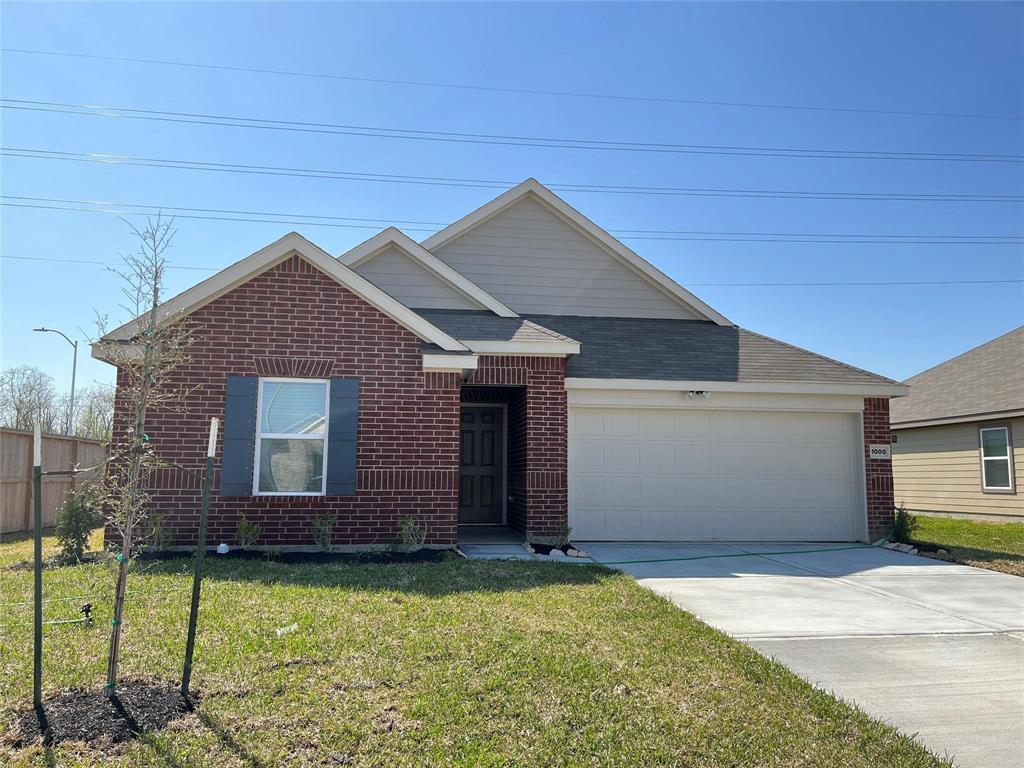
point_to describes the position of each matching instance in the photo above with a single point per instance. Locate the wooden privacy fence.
(59, 452)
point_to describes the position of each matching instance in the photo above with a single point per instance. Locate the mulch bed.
(421, 556)
(142, 706)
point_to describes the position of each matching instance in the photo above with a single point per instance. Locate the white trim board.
(586, 227)
(719, 401)
(782, 387)
(280, 250)
(393, 237)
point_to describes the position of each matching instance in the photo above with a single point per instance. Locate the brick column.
(877, 472)
(547, 448)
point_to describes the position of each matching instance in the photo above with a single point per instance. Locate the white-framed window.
(996, 459)
(291, 437)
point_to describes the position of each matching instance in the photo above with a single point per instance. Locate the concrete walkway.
(934, 648)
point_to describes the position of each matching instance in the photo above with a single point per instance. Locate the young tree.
(145, 365)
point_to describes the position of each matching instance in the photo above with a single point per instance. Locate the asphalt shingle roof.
(645, 348)
(983, 381)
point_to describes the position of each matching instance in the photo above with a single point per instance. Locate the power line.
(722, 285)
(683, 235)
(319, 173)
(497, 89)
(373, 223)
(606, 145)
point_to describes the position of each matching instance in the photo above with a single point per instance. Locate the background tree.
(94, 413)
(27, 395)
(145, 365)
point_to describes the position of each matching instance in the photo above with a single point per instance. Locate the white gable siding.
(533, 261)
(411, 284)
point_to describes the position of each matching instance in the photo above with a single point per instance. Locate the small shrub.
(903, 526)
(323, 530)
(412, 534)
(562, 536)
(81, 512)
(248, 533)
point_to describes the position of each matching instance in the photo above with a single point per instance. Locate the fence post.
(37, 584)
(197, 576)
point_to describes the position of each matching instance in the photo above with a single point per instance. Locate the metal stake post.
(197, 577)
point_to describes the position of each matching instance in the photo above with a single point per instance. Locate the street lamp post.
(74, 370)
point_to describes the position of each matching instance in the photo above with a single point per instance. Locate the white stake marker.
(37, 446)
(213, 438)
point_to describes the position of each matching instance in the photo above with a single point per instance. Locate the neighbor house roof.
(669, 350)
(983, 383)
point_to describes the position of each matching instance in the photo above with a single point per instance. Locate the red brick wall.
(878, 472)
(538, 465)
(294, 320)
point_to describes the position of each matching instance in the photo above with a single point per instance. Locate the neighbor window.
(291, 436)
(996, 459)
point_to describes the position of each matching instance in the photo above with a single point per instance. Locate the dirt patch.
(142, 706)
(50, 563)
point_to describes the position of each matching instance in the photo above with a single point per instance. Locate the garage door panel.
(687, 423)
(622, 456)
(687, 474)
(590, 456)
(659, 457)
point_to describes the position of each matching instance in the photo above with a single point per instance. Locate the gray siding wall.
(937, 470)
(410, 283)
(533, 261)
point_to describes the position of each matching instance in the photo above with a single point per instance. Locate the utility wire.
(386, 222)
(737, 237)
(720, 285)
(497, 89)
(319, 173)
(606, 145)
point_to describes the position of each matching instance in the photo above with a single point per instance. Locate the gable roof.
(290, 245)
(536, 190)
(983, 383)
(394, 237)
(666, 350)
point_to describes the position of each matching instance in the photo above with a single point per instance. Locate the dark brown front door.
(481, 465)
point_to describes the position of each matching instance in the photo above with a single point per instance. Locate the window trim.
(1005, 427)
(287, 436)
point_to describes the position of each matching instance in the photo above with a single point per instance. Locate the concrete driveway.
(935, 649)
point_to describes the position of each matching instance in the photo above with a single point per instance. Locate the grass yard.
(453, 663)
(999, 546)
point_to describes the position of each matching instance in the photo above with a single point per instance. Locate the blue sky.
(925, 57)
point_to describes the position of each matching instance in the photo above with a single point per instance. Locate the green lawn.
(999, 546)
(453, 663)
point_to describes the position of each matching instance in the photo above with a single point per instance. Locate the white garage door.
(652, 474)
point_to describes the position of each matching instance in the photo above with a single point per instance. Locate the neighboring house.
(958, 439)
(520, 367)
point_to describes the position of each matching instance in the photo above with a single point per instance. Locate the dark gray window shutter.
(239, 436)
(341, 437)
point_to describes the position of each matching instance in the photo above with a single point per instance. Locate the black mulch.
(420, 556)
(89, 716)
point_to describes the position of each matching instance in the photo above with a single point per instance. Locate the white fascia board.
(536, 348)
(438, 363)
(782, 387)
(588, 228)
(392, 236)
(292, 244)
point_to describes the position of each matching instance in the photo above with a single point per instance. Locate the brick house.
(519, 368)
